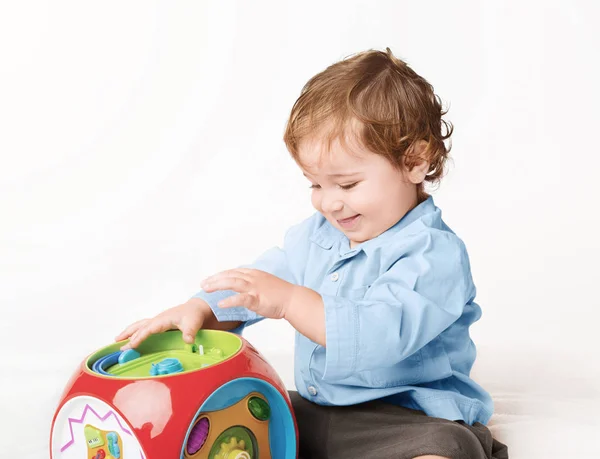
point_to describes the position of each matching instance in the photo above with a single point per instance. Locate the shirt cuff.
(341, 337)
(225, 314)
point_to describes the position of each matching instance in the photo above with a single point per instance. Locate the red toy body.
(159, 412)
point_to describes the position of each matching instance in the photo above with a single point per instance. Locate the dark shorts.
(380, 430)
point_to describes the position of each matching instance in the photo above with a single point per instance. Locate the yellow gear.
(233, 450)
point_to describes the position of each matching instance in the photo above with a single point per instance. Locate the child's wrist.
(202, 307)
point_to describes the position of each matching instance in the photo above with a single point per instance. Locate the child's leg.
(313, 428)
(383, 431)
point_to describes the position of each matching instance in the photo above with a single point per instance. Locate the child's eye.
(343, 187)
(347, 187)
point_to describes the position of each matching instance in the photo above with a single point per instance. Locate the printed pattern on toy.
(102, 444)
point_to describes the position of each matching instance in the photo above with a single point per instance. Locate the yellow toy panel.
(102, 444)
(213, 436)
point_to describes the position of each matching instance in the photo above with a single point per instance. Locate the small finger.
(213, 277)
(154, 326)
(236, 284)
(189, 328)
(230, 273)
(136, 339)
(243, 299)
(130, 330)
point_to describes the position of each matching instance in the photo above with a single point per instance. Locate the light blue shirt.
(397, 314)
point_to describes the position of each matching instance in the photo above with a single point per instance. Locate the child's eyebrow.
(344, 175)
(337, 175)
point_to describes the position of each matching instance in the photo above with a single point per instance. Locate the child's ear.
(419, 167)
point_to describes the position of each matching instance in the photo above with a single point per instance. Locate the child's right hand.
(188, 317)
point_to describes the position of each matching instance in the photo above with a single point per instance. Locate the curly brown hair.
(387, 104)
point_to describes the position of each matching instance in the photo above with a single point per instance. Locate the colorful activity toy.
(217, 398)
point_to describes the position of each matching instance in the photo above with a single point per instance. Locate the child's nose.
(332, 205)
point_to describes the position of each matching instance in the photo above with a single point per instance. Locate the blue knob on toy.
(166, 367)
(113, 445)
(128, 355)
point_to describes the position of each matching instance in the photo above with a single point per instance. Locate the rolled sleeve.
(225, 314)
(341, 336)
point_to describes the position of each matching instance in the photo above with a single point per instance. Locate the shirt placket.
(330, 286)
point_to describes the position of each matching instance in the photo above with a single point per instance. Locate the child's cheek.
(316, 201)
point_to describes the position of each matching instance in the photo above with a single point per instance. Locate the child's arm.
(229, 293)
(266, 295)
(306, 313)
(202, 310)
(188, 317)
(422, 293)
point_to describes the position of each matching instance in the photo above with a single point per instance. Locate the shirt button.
(334, 277)
(312, 390)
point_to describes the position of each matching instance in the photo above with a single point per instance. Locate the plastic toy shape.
(217, 398)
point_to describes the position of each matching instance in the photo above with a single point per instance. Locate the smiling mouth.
(346, 220)
(348, 223)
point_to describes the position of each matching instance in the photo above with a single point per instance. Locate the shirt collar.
(327, 235)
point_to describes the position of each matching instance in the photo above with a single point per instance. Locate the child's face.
(369, 198)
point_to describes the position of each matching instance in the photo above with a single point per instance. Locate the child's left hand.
(259, 291)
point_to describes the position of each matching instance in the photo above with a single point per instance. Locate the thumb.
(189, 327)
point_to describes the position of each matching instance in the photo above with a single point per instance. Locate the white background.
(141, 151)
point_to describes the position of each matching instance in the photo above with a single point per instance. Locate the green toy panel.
(166, 353)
